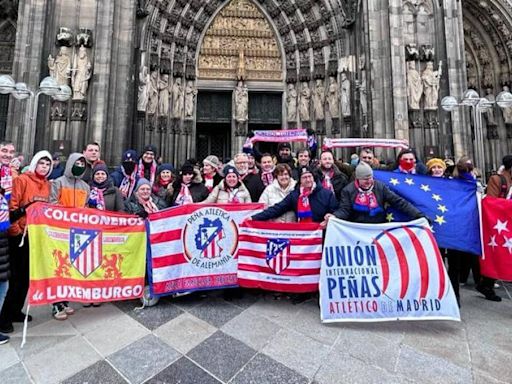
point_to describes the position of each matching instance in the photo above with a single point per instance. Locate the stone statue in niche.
(190, 100)
(319, 100)
(362, 87)
(490, 116)
(345, 95)
(241, 102)
(142, 96)
(507, 116)
(305, 99)
(291, 103)
(60, 66)
(163, 95)
(177, 99)
(153, 93)
(414, 86)
(82, 72)
(430, 79)
(333, 98)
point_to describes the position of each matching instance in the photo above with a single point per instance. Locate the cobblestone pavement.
(257, 339)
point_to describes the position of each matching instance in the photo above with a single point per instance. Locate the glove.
(17, 214)
(142, 214)
(250, 134)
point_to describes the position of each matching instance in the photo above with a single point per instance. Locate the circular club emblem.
(210, 238)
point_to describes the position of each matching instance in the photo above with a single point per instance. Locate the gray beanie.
(142, 181)
(363, 170)
(213, 161)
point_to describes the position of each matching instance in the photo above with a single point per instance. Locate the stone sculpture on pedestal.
(163, 95)
(430, 80)
(414, 86)
(305, 98)
(190, 100)
(345, 95)
(82, 72)
(60, 67)
(291, 105)
(177, 99)
(153, 93)
(142, 97)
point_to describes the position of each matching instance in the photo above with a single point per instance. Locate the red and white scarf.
(152, 171)
(148, 205)
(326, 182)
(6, 181)
(96, 196)
(304, 213)
(127, 184)
(267, 177)
(208, 182)
(184, 197)
(232, 195)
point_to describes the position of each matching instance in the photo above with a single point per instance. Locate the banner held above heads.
(78, 255)
(362, 142)
(383, 272)
(195, 247)
(282, 257)
(451, 204)
(278, 136)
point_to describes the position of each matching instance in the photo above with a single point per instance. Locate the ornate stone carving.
(177, 99)
(507, 116)
(345, 95)
(490, 116)
(142, 95)
(241, 101)
(79, 110)
(411, 52)
(430, 79)
(305, 100)
(190, 100)
(82, 72)
(60, 67)
(291, 103)
(333, 98)
(64, 37)
(153, 93)
(84, 38)
(414, 86)
(319, 100)
(163, 95)
(427, 53)
(58, 111)
(240, 27)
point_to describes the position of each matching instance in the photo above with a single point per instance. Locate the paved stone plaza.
(258, 340)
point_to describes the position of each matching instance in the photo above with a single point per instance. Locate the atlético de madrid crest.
(210, 238)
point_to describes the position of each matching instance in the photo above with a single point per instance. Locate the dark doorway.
(213, 124)
(265, 114)
(213, 139)
(4, 105)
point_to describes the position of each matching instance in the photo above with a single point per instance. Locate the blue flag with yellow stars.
(451, 204)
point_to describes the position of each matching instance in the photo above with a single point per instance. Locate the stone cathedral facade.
(194, 76)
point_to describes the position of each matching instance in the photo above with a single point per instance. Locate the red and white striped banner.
(195, 246)
(283, 257)
(362, 142)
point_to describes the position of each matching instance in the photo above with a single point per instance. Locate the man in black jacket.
(363, 200)
(329, 175)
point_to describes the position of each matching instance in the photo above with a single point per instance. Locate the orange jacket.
(25, 189)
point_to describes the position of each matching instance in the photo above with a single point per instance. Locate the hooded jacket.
(28, 188)
(220, 195)
(274, 194)
(69, 190)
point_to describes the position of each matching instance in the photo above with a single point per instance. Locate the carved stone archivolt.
(240, 28)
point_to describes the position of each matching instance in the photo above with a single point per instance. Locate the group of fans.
(296, 188)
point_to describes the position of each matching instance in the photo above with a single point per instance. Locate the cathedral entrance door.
(265, 109)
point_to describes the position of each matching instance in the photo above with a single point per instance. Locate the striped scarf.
(6, 181)
(304, 213)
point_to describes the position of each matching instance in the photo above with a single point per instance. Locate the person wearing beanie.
(211, 176)
(364, 199)
(308, 200)
(71, 191)
(104, 194)
(330, 175)
(188, 187)
(125, 176)
(58, 168)
(284, 155)
(147, 166)
(436, 167)
(142, 202)
(231, 190)
(28, 188)
(163, 186)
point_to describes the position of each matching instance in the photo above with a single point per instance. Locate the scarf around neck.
(128, 183)
(152, 171)
(304, 213)
(6, 181)
(267, 177)
(96, 198)
(184, 197)
(208, 182)
(327, 181)
(366, 201)
(148, 205)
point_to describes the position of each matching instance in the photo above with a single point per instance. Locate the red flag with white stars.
(496, 261)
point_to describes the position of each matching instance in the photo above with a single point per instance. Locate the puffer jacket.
(197, 189)
(69, 190)
(26, 189)
(220, 195)
(274, 194)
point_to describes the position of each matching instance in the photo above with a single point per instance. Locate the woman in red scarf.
(211, 176)
(163, 187)
(230, 190)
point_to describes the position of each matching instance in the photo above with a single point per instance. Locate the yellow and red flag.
(84, 255)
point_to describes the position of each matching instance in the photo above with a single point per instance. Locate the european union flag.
(451, 204)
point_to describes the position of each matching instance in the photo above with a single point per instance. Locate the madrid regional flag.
(84, 255)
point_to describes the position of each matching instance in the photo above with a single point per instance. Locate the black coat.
(4, 257)
(254, 185)
(321, 201)
(383, 195)
(113, 199)
(339, 180)
(197, 190)
(132, 205)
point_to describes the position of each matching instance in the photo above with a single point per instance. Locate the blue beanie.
(130, 155)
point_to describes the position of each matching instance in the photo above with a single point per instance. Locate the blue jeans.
(4, 286)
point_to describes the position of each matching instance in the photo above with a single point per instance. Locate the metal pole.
(33, 124)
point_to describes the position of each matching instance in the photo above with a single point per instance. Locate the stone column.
(456, 75)
(399, 82)
(28, 56)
